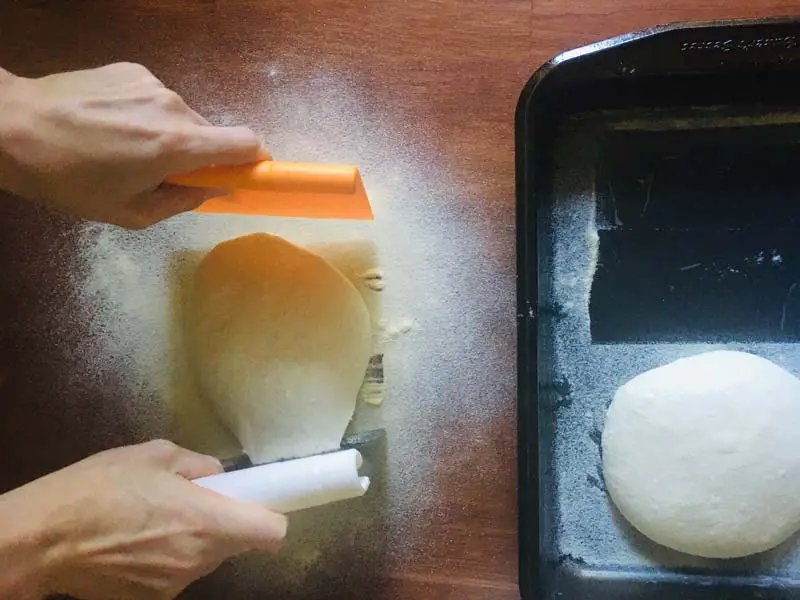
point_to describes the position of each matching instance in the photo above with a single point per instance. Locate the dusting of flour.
(418, 256)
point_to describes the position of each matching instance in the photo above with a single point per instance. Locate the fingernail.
(280, 524)
(283, 525)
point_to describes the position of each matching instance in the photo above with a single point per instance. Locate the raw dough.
(703, 455)
(279, 341)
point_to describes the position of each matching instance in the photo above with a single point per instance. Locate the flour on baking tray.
(588, 531)
(132, 277)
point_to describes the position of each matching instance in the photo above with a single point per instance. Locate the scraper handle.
(268, 175)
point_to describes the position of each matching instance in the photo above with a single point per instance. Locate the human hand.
(128, 524)
(99, 144)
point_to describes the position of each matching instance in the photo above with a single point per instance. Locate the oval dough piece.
(280, 342)
(702, 455)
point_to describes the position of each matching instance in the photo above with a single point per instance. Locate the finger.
(173, 102)
(181, 461)
(192, 465)
(248, 525)
(220, 146)
(128, 73)
(167, 201)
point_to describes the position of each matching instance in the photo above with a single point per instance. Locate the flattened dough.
(279, 341)
(702, 455)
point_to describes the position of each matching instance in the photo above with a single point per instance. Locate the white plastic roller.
(295, 484)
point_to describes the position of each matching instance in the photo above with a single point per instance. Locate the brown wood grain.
(452, 70)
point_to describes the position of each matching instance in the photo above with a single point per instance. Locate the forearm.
(23, 551)
(5, 76)
(11, 178)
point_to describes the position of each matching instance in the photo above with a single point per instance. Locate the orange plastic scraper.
(283, 189)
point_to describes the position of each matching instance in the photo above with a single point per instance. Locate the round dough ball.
(702, 455)
(280, 342)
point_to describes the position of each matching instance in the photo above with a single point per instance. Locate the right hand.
(127, 524)
(99, 143)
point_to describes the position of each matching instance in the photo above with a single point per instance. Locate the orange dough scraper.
(282, 189)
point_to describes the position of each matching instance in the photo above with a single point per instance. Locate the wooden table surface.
(451, 71)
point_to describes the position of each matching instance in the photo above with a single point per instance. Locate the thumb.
(180, 461)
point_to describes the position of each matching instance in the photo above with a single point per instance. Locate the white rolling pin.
(294, 484)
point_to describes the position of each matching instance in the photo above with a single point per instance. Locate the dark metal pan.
(658, 215)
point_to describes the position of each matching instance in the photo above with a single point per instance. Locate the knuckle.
(132, 68)
(173, 142)
(214, 463)
(168, 99)
(162, 447)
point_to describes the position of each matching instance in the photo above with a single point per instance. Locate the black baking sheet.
(658, 216)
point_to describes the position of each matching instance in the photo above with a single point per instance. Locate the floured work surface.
(669, 235)
(90, 340)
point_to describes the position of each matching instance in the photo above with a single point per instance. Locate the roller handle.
(296, 484)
